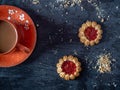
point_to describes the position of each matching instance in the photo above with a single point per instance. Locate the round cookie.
(68, 67)
(90, 33)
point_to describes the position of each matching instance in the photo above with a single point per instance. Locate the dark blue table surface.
(57, 29)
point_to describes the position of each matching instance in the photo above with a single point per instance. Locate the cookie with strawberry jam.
(90, 33)
(68, 67)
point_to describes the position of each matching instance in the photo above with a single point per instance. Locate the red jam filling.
(90, 33)
(68, 67)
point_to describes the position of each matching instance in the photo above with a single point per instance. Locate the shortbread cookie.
(68, 67)
(90, 33)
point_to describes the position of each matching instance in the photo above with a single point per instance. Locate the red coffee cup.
(10, 37)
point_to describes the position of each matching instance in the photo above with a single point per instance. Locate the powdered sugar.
(104, 63)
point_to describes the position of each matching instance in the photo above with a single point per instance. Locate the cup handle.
(23, 48)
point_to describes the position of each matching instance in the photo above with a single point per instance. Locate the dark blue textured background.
(57, 29)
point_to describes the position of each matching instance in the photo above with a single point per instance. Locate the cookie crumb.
(35, 2)
(114, 84)
(69, 3)
(75, 52)
(37, 25)
(117, 7)
(55, 52)
(66, 13)
(70, 40)
(102, 20)
(104, 63)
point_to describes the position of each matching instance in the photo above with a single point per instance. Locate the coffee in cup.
(9, 38)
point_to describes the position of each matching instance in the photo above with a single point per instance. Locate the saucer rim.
(35, 36)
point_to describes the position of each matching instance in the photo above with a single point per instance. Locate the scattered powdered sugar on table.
(75, 52)
(117, 7)
(70, 40)
(114, 84)
(100, 12)
(35, 2)
(104, 63)
(59, 5)
(69, 3)
(55, 51)
(37, 25)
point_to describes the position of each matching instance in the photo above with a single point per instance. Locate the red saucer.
(23, 21)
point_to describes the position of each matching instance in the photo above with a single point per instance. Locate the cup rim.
(14, 27)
